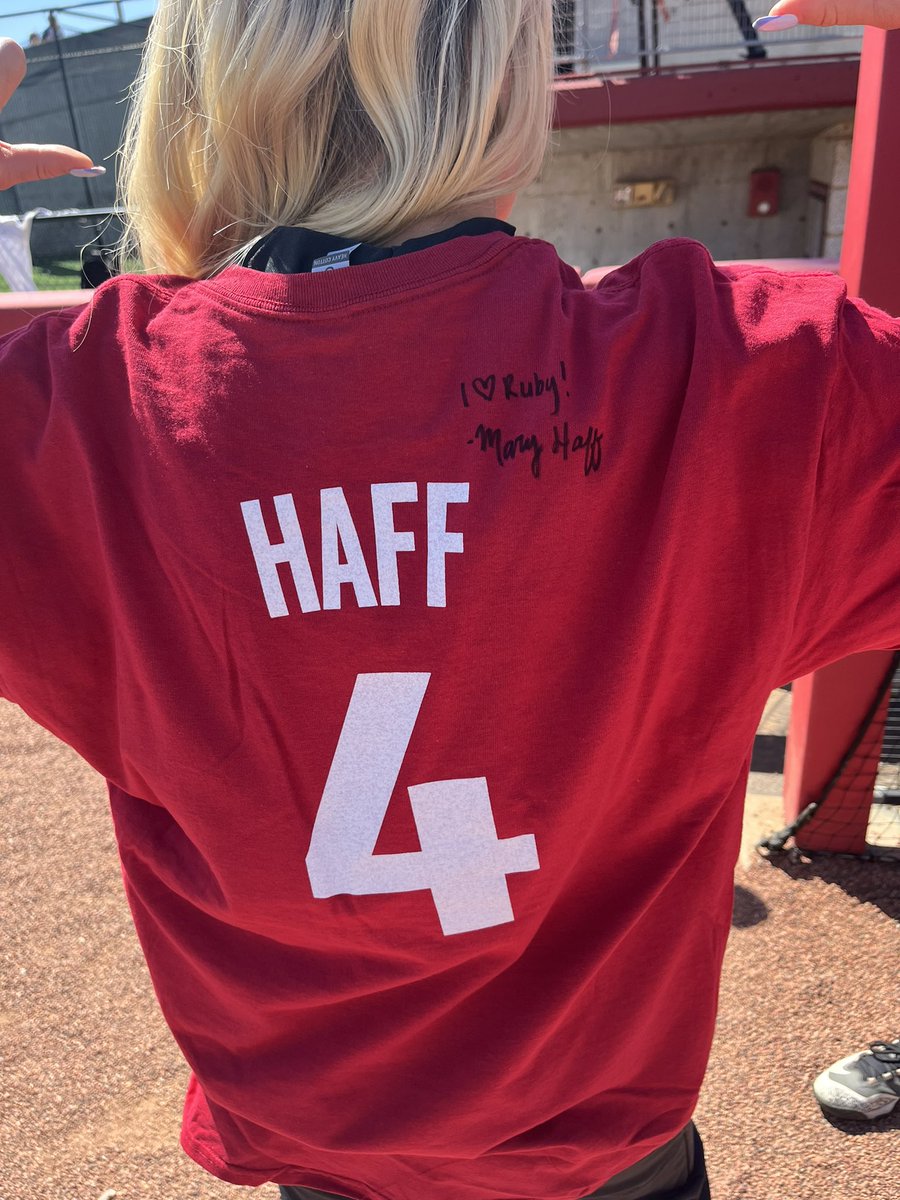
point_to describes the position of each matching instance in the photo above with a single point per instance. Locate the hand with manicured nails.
(26, 163)
(882, 14)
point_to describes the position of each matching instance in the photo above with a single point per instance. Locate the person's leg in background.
(755, 48)
(676, 1171)
(564, 33)
(302, 1193)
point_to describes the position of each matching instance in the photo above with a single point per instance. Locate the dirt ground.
(92, 1083)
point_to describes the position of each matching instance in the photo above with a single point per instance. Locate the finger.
(12, 68)
(27, 163)
(882, 14)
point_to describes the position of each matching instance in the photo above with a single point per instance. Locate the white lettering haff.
(340, 537)
(339, 532)
(440, 541)
(389, 540)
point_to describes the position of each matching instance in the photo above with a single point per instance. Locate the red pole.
(829, 704)
(870, 252)
(827, 708)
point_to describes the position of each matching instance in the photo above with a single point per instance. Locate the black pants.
(676, 1171)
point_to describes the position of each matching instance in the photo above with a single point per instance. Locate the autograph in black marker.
(490, 440)
(484, 387)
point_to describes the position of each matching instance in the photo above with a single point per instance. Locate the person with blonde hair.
(420, 615)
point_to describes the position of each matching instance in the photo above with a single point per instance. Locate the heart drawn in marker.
(485, 387)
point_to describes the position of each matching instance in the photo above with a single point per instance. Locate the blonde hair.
(353, 117)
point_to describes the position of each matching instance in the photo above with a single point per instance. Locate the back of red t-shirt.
(421, 615)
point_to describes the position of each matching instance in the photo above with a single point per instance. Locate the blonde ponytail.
(354, 117)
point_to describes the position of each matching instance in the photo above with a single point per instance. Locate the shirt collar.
(289, 250)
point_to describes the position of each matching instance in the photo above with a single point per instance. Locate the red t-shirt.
(421, 615)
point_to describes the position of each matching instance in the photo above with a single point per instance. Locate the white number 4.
(462, 861)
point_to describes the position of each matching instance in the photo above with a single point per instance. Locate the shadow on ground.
(749, 909)
(869, 882)
(884, 1125)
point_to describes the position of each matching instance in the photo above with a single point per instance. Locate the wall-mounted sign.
(765, 188)
(643, 193)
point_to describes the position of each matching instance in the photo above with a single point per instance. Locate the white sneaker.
(864, 1086)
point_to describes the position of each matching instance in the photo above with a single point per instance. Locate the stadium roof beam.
(703, 93)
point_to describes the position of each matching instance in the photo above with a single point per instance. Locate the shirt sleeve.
(847, 586)
(57, 648)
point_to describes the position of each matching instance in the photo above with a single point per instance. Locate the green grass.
(60, 274)
(63, 273)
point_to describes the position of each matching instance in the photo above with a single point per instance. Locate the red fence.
(18, 308)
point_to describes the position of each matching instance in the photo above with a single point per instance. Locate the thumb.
(28, 162)
(882, 14)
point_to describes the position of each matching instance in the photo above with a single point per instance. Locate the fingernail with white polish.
(774, 24)
(88, 172)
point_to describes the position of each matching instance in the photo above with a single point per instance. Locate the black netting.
(868, 776)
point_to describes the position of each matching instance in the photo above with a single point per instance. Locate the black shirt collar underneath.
(288, 249)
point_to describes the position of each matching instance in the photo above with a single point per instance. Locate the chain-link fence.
(633, 35)
(75, 92)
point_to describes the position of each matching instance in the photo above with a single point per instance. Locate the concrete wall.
(710, 160)
(829, 173)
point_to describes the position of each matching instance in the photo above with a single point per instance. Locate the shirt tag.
(335, 259)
